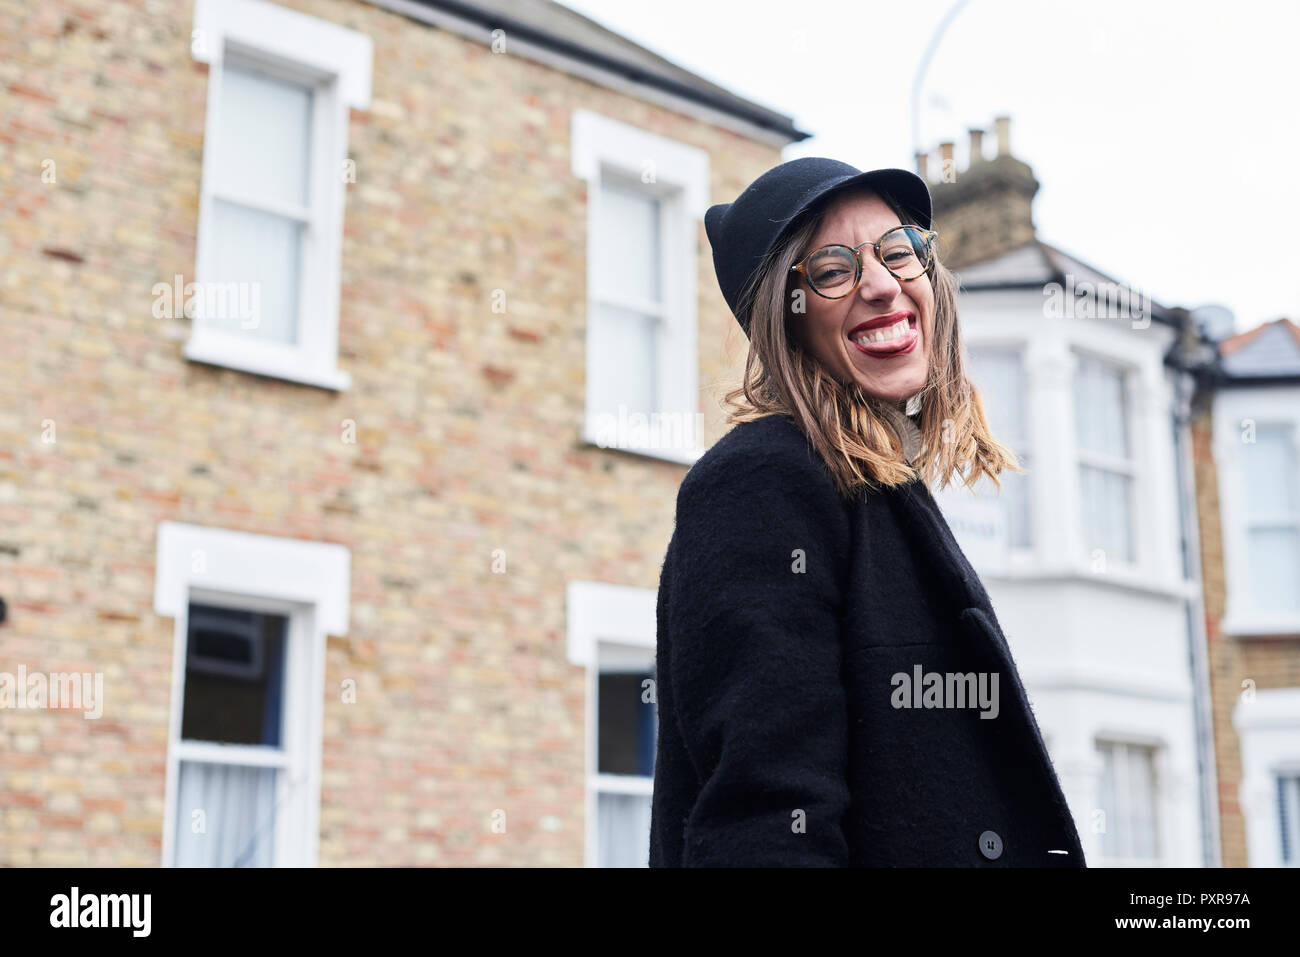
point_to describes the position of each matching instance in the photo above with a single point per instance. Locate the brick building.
(1247, 448)
(309, 308)
(1088, 555)
(308, 448)
(1168, 683)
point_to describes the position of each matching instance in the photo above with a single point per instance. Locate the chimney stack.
(1004, 135)
(984, 210)
(947, 168)
(921, 164)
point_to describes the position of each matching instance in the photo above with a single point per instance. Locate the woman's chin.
(894, 387)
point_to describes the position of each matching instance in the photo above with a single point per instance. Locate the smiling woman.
(810, 566)
(825, 313)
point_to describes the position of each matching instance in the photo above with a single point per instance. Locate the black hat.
(743, 232)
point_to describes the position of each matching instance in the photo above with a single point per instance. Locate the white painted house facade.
(1082, 555)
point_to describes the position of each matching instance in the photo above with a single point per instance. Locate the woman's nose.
(877, 282)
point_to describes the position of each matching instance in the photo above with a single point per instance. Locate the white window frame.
(310, 583)
(1129, 467)
(1265, 407)
(604, 149)
(1269, 731)
(1017, 555)
(1159, 775)
(623, 616)
(336, 63)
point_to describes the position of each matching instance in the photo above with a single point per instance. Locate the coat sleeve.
(762, 546)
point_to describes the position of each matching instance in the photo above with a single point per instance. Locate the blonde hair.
(849, 427)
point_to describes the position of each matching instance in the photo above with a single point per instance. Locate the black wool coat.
(792, 626)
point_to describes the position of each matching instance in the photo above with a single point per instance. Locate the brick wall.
(985, 209)
(1268, 662)
(467, 425)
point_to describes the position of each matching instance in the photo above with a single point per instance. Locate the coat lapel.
(978, 621)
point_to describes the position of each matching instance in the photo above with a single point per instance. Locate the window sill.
(678, 456)
(1126, 578)
(234, 353)
(1260, 626)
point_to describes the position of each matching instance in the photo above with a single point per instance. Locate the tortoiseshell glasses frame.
(926, 243)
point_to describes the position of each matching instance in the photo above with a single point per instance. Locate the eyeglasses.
(835, 270)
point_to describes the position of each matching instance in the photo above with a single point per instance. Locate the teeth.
(896, 331)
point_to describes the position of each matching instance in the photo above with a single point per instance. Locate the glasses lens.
(832, 270)
(905, 252)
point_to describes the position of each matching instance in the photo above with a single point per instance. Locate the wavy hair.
(851, 428)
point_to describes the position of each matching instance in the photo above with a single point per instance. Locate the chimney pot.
(1004, 135)
(976, 146)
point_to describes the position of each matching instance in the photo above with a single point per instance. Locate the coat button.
(991, 845)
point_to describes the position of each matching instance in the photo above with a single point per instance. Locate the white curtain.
(238, 819)
(263, 153)
(257, 251)
(1142, 801)
(1101, 427)
(628, 244)
(626, 350)
(1127, 795)
(1288, 811)
(1273, 536)
(623, 823)
(1000, 377)
(627, 271)
(1100, 408)
(1107, 511)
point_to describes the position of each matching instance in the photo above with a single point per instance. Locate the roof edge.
(772, 123)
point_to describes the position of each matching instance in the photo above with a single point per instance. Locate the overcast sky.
(1164, 134)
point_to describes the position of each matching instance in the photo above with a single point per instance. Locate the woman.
(833, 686)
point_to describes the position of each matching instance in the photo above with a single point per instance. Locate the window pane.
(626, 736)
(1142, 802)
(1100, 408)
(1127, 795)
(1269, 471)
(1274, 561)
(264, 143)
(255, 274)
(225, 815)
(999, 375)
(1107, 512)
(1106, 800)
(234, 676)
(627, 247)
(1288, 809)
(623, 830)
(625, 350)
(1016, 493)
